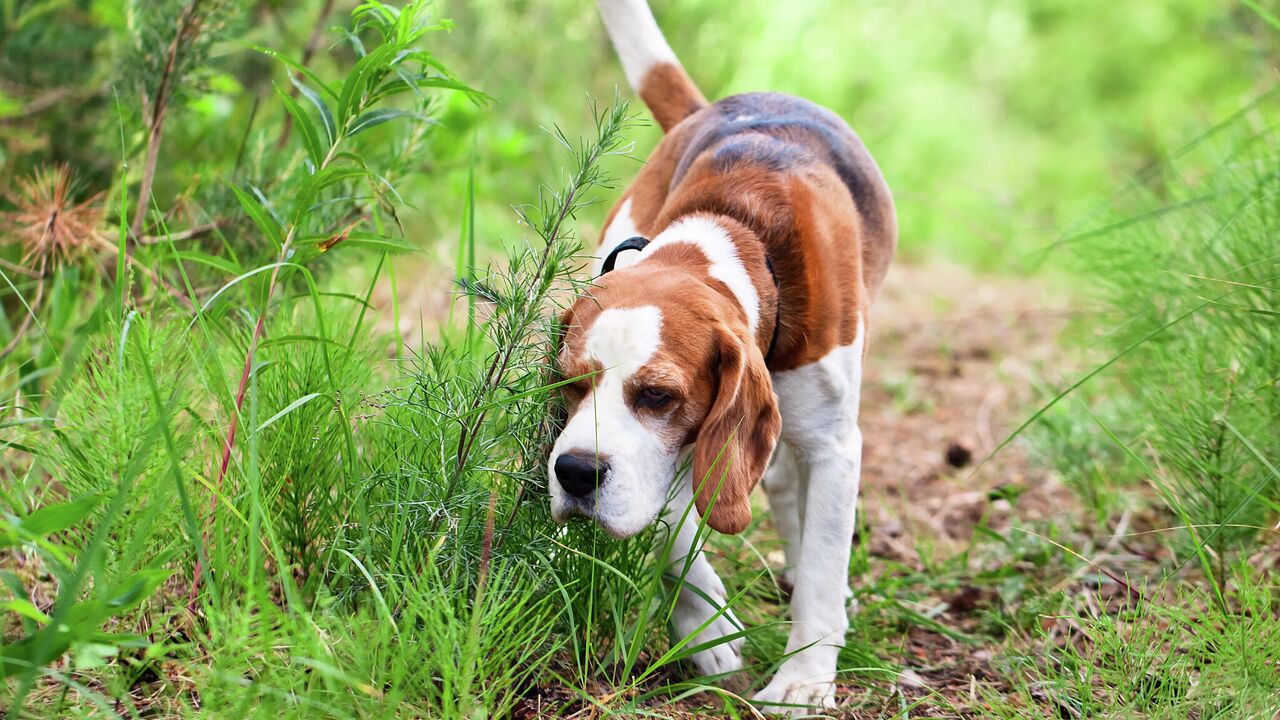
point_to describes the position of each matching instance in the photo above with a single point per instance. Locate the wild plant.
(1184, 264)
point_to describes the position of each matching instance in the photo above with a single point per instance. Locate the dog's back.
(770, 134)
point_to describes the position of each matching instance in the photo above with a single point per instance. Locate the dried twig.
(188, 26)
(19, 269)
(187, 234)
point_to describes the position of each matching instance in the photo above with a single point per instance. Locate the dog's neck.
(739, 269)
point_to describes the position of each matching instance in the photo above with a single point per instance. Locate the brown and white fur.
(763, 210)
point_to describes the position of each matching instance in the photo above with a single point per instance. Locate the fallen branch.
(187, 234)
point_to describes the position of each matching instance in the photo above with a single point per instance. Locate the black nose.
(579, 475)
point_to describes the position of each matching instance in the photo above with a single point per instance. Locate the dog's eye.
(652, 397)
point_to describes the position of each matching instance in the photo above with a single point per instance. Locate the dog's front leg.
(700, 592)
(819, 619)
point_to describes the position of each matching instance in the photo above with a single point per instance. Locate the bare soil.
(953, 364)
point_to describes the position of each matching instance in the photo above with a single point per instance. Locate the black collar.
(632, 243)
(638, 242)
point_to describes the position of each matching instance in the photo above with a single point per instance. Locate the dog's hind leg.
(701, 596)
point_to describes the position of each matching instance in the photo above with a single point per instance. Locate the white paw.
(721, 659)
(798, 690)
(724, 657)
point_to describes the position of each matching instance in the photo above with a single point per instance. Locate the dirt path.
(953, 362)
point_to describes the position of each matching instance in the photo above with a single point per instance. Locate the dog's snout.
(580, 475)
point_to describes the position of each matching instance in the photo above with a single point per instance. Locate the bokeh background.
(999, 124)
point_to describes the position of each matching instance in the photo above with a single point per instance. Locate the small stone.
(958, 455)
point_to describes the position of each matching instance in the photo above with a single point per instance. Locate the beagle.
(740, 323)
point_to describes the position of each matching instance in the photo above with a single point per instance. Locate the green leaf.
(405, 82)
(337, 173)
(137, 588)
(379, 242)
(288, 409)
(24, 421)
(368, 240)
(374, 118)
(213, 261)
(266, 203)
(265, 221)
(6, 444)
(375, 14)
(26, 609)
(306, 129)
(358, 79)
(1246, 308)
(93, 654)
(1262, 12)
(13, 582)
(54, 518)
(326, 116)
(290, 339)
(299, 67)
(233, 282)
(20, 657)
(305, 197)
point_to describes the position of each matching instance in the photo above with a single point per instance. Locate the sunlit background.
(998, 124)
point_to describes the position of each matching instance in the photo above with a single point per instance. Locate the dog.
(729, 317)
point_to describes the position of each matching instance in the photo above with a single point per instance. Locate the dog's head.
(663, 363)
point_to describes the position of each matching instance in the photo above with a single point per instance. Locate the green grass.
(317, 530)
(1175, 655)
(1178, 423)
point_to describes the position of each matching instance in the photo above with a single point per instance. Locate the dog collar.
(632, 243)
(639, 242)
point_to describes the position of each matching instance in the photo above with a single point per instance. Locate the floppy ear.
(736, 440)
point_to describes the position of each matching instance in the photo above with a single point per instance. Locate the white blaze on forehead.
(622, 227)
(623, 339)
(717, 246)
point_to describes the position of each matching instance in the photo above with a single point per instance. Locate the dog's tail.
(651, 66)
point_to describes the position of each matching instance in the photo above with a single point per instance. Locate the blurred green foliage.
(997, 123)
